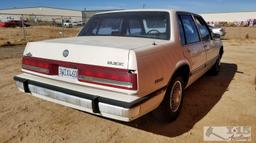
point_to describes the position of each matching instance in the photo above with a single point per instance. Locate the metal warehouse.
(40, 13)
(48, 13)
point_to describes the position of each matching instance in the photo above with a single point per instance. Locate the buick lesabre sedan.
(123, 64)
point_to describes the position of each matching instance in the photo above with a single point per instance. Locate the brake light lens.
(39, 65)
(118, 78)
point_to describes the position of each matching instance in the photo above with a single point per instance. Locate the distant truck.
(67, 23)
(70, 24)
(123, 64)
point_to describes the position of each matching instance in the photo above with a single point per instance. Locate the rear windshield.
(130, 24)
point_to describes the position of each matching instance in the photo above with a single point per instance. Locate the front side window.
(203, 30)
(130, 24)
(190, 30)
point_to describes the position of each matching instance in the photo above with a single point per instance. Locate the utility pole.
(62, 29)
(23, 28)
(144, 5)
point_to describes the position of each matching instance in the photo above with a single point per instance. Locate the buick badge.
(65, 53)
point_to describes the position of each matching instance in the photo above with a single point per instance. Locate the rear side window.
(203, 30)
(190, 30)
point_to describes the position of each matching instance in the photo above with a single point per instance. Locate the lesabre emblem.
(65, 53)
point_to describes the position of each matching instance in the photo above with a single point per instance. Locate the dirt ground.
(228, 99)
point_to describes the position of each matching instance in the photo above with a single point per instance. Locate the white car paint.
(154, 61)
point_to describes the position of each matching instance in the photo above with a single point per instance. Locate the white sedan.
(218, 30)
(123, 64)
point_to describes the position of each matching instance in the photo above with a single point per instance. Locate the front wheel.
(172, 103)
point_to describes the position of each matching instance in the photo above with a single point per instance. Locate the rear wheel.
(172, 103)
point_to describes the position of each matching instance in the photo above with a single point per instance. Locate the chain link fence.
(247, 23)
(17, 29)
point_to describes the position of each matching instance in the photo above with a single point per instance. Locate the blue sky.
(190, 5)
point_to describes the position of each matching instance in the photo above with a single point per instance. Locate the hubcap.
(176, 95)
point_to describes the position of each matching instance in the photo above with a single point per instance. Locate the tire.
(170, 108)
(216, 67)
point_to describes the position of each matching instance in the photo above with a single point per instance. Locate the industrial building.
(49, 13)
(40, 14)
(209, 17)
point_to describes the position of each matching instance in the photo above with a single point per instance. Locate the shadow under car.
(199, 99)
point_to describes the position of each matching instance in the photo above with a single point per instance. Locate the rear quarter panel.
(156, 64)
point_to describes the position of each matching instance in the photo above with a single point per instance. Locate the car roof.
(146, 10)
(139, 10)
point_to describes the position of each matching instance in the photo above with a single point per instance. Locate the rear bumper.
(95, 104)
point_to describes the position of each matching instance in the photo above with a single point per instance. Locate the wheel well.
(184, 72)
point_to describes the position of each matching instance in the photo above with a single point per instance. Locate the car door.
(208, 44)
(192, 43)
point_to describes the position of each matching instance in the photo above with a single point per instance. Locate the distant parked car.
(67, 23)
(77, 23)
(9, 24)
(218, 30)
(2, 24)
(15, 23)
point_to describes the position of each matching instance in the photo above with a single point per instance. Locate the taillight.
(118, 78)
(39, 65)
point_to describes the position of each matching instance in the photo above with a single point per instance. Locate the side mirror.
(216, 36)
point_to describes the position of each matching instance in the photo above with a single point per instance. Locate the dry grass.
(241, 33)
(14, 36)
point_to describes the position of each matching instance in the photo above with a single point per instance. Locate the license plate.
(68, 72)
